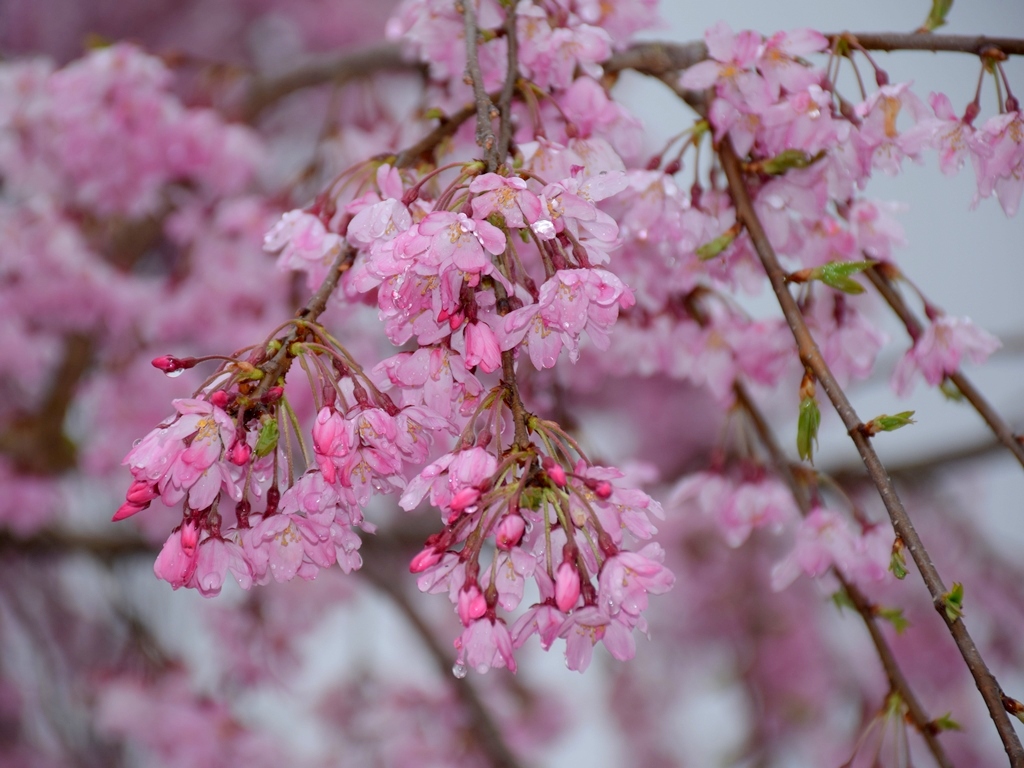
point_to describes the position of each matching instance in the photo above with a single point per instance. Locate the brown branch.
(1000, 428)
(813, 361)
(279, 364)
(917, 41)
(53, 543)
(338, 69)
(485, 137)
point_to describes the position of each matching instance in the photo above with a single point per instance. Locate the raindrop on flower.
(174, 374)
(459, 671)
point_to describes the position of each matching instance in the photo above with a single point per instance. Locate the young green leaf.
(267, 441)
(937, 15)
(953, 601)
(807, 428)
(839, 275)
(895, 617)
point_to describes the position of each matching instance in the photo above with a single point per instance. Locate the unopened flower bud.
(555, 471)
(426, 558)
(567, 587)
(510, 531)
(220, 398)
(173, 365)
(239, 453)
(471, 604)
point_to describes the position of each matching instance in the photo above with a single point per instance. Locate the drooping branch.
(897, 680)
(813, 361)
(487, 734)
(264, 92)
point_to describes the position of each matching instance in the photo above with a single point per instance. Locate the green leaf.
(842, 600)
(951, 391)
(953, 601)
(896, 421)
(898, 563)
(947, 723)
(267, 441)
(937, 15)
(716, 246)
(787, 159)
(838, 275)
(895, 617)
(807, 428)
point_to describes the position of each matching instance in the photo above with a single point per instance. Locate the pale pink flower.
(825, 539)
(305, 245)
(484, 644)
(1001, 170)
(939, 351)
(506, 195)
(627, 578)
(482, 348)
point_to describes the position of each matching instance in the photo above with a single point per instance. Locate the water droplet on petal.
(174, 374)
(459, 671)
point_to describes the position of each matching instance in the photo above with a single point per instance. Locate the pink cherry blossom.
(939, 351)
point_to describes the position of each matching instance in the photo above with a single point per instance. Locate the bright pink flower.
(939, 351)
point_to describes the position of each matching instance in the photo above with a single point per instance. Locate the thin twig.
(279, 364)
(813, 361)
(484, 107)
(1000, 428)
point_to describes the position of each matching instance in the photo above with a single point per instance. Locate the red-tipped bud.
(273, 395)
(554, 470)
(603, 490)
(173, 366)
(220, 398)
(127, 510)
(567, 587)
(674, 167)
(881, 77)
(971, 112)
(239, 453)
(510, 531)
(273, 499)
(654, 163)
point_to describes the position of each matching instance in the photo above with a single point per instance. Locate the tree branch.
(813, 361)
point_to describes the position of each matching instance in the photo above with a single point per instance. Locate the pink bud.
(171, 364)
(142, 492)
(465, 498)
(567, 587)
(239, 453)
(603, 489)
(127, 510)
(471, 604)
(555, 471)
(425, 559)
(510, 531)
(220, 398)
